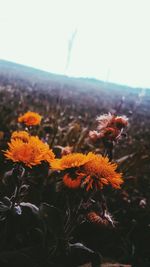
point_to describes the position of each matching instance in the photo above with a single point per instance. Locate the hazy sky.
(112, 40)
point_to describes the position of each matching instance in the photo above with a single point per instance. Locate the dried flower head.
(98, 219)
(99, 172)
(111, 133)
(21, 135)
(109, 127)
(120, 121)
(109, 120)
(94, 135)
(30, 153)
(104, 121)
(30, 118)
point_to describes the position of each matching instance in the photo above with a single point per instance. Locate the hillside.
(20, 72)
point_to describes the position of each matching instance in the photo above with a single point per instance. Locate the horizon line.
(73, 77)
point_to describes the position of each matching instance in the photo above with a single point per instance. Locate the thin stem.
(54, 136)
(71, 226)
(18, 173)
(15, 196)
(109, 147)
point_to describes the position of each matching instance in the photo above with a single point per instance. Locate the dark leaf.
(53, 218)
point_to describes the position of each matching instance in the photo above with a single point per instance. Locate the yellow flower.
(71, 165)
(30, 118)
(99, 172)
(73, 160)
(21, 135)
(88, 171)
(30, 153)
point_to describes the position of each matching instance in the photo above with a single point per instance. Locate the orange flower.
(21, 135)
(73, 160)
(30, 153)
(70, 182)
(89, 171)
(71, 164)
(99, 172)
(30, 118)
(49, 155)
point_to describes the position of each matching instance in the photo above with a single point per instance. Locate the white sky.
(112, 40)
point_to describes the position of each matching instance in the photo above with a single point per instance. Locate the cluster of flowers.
(89, 171)
(109, 127)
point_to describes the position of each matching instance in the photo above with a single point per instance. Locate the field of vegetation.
(69, 108)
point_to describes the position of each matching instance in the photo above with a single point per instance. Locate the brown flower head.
(30, 118)
(109, 120)
(104, 121)
(109, 127)
(120, 121)
(97, 218)
(94, 135)
(111, 133)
